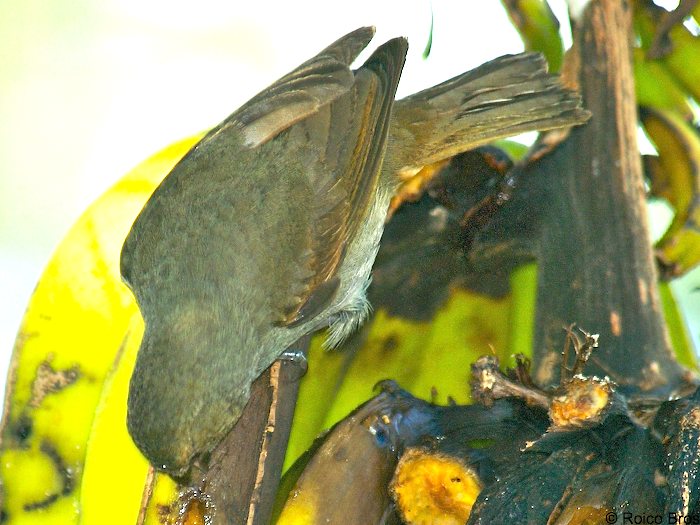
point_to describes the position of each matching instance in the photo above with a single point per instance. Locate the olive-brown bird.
(267, 229)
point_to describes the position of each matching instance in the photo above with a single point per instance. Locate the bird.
(267, 229)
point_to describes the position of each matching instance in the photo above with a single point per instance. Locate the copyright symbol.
(611, 517)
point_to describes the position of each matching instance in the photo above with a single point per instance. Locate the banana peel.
(71, 337)
(347, 478)
(164, 502)
(110, 449)
(400, 455)
(675, 176)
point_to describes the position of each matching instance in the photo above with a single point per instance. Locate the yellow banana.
(113, 464)
(72, 335)
(424, 355)
(675, 176)
(430, 486)
(166, 502)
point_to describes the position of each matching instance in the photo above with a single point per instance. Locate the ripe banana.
(62, 409)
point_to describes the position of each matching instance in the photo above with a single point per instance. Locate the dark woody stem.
(489, 384)
(245, 468)
(596, 265)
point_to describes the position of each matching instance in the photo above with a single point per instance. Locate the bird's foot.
(298, 364)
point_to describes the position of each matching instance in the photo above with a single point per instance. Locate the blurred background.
(90, 88)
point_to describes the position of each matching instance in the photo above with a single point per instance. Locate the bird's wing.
(246, 231)
(301, 93)
(351, 132)
(294, 97)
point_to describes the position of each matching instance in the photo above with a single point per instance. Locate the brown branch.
(580, 210)
(489, 384)
(241, 482)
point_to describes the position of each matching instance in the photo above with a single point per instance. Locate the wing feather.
(354, 130)
(301, 93)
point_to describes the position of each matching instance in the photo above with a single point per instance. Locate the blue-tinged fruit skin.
(349, 468)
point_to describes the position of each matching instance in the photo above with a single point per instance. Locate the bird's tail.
(506, 96)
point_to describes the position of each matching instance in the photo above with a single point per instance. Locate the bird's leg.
(297, 359)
